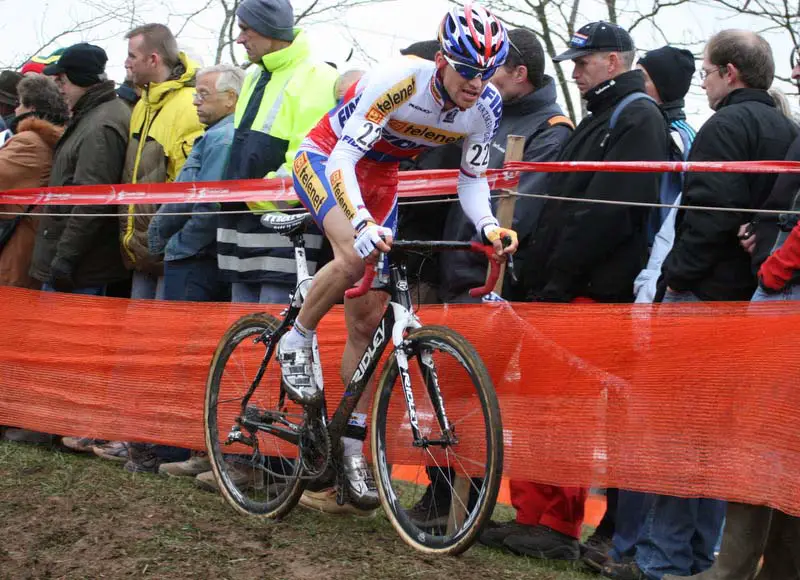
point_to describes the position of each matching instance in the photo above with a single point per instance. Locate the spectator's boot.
(743, 542)
(196, 464)
(782, 553)
(495, 533)
(543, 543)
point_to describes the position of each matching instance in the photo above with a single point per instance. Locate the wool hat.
(9, 80)
(270, 18)
(37, 63)
(671, 70)
(597, 37)
(84, 64)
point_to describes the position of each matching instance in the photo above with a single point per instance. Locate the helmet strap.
(440, 87)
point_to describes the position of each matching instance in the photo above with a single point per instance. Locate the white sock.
(299, 337)
(354, 446)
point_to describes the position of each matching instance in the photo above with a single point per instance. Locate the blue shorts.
(378, 188)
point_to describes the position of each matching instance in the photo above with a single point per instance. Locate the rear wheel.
(257, 473)
(441, 491)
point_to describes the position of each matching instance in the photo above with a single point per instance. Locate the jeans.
(258, 293)
(147, 287)
(788, 293)
(87, 291)
(632, 510)
(195, 280)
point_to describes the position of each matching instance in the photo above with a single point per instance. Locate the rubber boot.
(743, 543)
(782, 553)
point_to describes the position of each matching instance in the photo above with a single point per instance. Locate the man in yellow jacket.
(164, 127)
(283, 97)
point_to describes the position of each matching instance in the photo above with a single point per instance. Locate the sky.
(373, 32)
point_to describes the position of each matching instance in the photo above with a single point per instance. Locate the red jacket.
(781, 266)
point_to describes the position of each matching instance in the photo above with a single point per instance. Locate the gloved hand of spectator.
(61, 273)
(778, 269)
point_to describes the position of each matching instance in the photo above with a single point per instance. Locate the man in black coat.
(589, 250)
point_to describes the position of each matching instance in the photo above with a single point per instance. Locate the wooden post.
(515, 148)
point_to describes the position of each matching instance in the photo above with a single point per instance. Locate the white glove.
(368, 234)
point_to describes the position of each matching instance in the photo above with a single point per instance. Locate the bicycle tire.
(287, 492)
(392, 493)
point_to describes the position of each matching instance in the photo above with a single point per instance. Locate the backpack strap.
(624, 103)
(560, 120)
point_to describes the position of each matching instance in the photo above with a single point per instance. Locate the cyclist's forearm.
(474, 197)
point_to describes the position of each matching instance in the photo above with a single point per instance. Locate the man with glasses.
(346, 174)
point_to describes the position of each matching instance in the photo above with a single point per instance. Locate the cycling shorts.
(378, 182)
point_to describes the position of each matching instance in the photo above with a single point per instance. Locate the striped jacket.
(282, 99)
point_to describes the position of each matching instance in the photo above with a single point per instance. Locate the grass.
(69, 516)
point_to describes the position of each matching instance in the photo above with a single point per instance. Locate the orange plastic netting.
(685, 399)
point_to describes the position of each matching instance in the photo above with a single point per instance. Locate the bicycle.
(265, 449)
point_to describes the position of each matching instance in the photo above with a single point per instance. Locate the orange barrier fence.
(684, 399)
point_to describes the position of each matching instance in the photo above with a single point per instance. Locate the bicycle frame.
(397, 319)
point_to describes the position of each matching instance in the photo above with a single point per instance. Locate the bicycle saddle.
(286, 224)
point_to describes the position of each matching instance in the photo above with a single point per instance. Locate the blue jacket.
(183, 236)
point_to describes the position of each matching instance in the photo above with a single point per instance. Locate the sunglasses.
(470, 72)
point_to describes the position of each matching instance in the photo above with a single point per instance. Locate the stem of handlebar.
(494, 271)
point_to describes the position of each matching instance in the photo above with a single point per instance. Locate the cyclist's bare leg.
(331, 282)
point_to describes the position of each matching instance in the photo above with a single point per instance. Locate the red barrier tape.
(657, 166)
(412, 184)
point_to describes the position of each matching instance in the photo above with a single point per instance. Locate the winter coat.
(185, 236)
(596, 250)
(707, 258)
(539, 119)
(25, 162)
(164, 126)
(282, 99)
(91, 152)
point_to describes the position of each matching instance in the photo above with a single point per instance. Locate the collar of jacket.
(226, 120)
(541, 97)
(674, 110)
(48, 131)
(286, 57)
(92, 98)
(743, 95)
(608, 93)
(155, 94)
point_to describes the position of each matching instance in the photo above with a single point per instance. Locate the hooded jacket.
(90, 152)
(596, 250)
(282, 99)
(706, 258)
(539, 119)
(25, 162)
(163, 129)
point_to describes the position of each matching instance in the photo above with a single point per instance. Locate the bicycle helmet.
(474, 36)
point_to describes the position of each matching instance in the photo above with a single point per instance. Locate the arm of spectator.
(645, 286)
(165, 224)
(784, 262)
(703, 233)
(100, 161)
(19, 161)
(594, 230)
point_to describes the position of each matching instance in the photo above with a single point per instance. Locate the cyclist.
(346, 175)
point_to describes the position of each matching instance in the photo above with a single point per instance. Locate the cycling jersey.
(394, 113)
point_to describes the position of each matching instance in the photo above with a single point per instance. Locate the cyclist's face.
(464, 92)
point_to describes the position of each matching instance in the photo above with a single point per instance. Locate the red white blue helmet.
(474, 36)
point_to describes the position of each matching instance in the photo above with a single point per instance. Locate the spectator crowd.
(65, 123)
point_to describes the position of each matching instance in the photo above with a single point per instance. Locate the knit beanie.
(671, 70)
(270, 18)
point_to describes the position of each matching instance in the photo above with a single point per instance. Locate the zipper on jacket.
(129, 228)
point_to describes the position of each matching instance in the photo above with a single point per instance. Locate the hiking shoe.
(112, 451)
(141, 459)
(594, 552)
(244, 479)
(432, 510)
(80, 444)
(543, 543)
(196, 464)
(495, 533)
(623, 571)
(325, 501)
(361, 488)
(297, 371)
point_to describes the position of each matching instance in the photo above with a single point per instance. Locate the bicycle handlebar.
(494, 265)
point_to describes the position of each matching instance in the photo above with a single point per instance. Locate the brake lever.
(511, 270)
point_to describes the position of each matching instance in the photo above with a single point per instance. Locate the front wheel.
(256, 471)
(440, 488)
